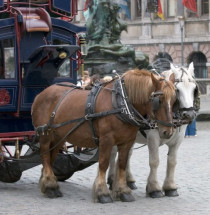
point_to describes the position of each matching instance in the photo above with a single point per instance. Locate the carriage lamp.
(62, 55)
(83, 46)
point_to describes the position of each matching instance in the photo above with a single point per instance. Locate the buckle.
(87, 117)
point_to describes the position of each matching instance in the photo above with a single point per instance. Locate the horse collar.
(128, 113)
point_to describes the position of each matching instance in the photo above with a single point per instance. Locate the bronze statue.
(104, 28)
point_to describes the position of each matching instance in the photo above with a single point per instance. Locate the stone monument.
(105, 51)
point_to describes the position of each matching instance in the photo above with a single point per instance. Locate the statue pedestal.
(104, 59)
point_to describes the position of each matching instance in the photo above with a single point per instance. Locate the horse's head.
(163, 99)
(186, 90)
(152, 95)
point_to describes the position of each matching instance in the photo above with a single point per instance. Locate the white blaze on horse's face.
(186, 94)
(185, 86)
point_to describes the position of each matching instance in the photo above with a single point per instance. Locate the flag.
(191, 5)
(86, 5)
(160, 12)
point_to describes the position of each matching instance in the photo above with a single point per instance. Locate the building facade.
(183, 34)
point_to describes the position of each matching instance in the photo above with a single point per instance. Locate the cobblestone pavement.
(192, 177)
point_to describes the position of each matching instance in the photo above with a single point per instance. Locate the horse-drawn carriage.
(38, 51)
(38, 47)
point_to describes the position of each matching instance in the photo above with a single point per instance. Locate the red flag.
(160, 12)
(86, 5)
(190, 4)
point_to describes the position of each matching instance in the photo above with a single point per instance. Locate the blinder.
(155, 98)
(196, 103)
(176, 105)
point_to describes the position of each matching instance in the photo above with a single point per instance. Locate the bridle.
(155, 99)
(178, 118)
(181, 80)
(132, 116)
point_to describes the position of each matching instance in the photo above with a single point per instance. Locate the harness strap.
(58, 104)
(87, 117)
(90, 108)
(167, 124)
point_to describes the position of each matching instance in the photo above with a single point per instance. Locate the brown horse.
(58, 115)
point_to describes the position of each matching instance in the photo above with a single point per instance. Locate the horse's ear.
(191, 69)
(172, 78)
(173, 69)
(154, 81)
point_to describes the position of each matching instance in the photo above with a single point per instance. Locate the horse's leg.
(48, 181)
(111, 172)
(129, 177)
(169, 185)
(153, 189)
(120, 188)
(101, 192)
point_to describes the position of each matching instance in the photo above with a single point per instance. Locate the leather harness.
(122, 107)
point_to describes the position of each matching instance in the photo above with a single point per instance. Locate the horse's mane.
(139, 86)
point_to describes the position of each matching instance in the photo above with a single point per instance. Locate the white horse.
(187, 90)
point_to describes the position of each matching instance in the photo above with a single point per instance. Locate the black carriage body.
(33, 48)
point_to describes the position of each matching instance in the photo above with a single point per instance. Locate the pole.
(182, 46)
(181, 23)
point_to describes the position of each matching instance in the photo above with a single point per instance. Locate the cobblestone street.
(192, 177)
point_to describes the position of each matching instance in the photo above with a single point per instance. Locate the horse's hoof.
(58, 193)
(53, 193)
(156, 194)
(171, 193)
(132, 185)
(126, 197)
(105, 199)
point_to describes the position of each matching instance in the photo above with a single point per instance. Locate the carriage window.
(7, 59)
(65, 68)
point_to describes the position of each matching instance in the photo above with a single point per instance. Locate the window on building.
(204, 7)
(171, 8)
(191, 13)
(7, 59)
(199, 60)
(138, 8)
(125, 9)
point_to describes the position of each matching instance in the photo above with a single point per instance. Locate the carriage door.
(8, 77)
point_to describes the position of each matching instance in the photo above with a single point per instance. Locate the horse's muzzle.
(165, 133)
(189, 115)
